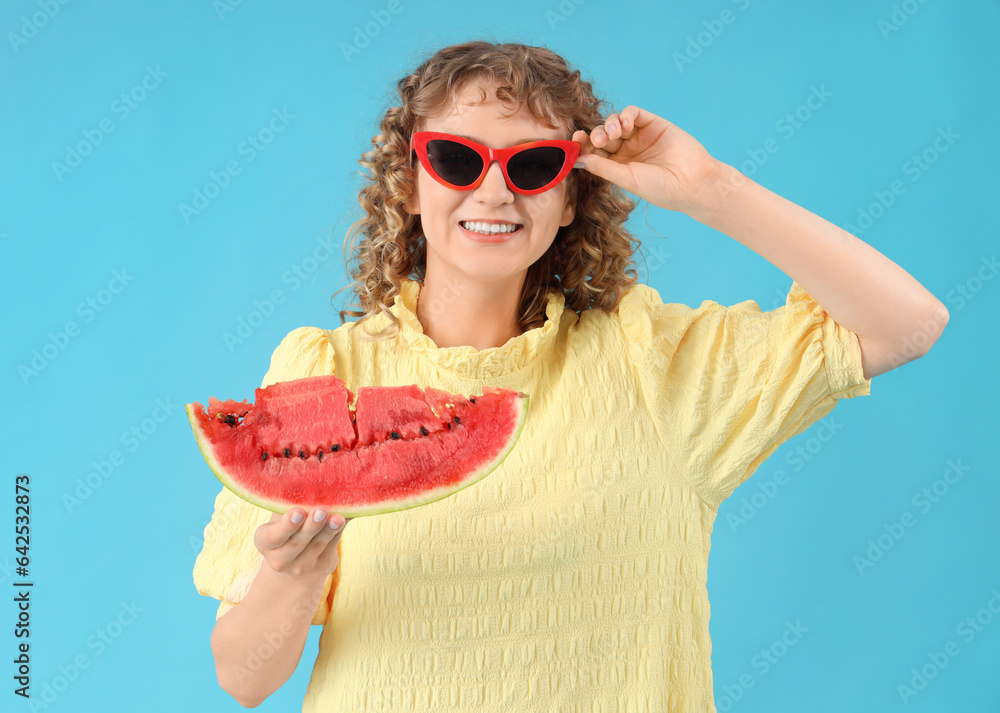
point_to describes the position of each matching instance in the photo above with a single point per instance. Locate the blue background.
(215, 76)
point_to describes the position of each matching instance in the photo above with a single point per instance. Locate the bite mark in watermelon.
(310, 443)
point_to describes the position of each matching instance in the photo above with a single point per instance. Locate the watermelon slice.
(309, 443)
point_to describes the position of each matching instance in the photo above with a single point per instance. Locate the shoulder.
(655, 330)
(643, 315)
(303, 339)
(305, 351)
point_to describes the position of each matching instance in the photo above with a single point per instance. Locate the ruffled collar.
(467, 361)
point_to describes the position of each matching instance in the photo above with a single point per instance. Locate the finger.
(630, 120)
(329, 557)
(598, 136)
(323, 535)
(331, 527)
(293, 535)
(627, 120)
(612, 171)
(613, 126)
(315, 522)
(322, 550)
(607, 136)
(325, 530)
(582, 138)
(586, 145)
(279, 529)
(642, 119)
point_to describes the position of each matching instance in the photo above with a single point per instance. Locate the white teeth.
(489, 228)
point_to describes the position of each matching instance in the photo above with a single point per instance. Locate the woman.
(574, 576)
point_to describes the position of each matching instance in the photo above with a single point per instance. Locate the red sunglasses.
(461, 163)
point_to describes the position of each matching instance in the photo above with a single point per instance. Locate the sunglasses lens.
(537, 167)
(454, 162)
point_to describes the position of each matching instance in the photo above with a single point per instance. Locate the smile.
(489, 228)
(496, 234)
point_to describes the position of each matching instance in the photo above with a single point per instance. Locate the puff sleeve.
(728, 385)
(228, 562)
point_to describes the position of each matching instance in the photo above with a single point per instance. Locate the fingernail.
(296, 517)
(579, 164)
(334, 525)
(318, 517)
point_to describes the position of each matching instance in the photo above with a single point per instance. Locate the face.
(450, 248)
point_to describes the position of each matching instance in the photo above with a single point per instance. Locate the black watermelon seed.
(263, 456)
(458, 420)
(423, 431)
(335, 447)
(288, 453)
(302, 455)
(395, 436)
(472, 400)
(319, 455)
(449, 425)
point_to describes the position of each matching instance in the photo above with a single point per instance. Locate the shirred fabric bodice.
(573, 577)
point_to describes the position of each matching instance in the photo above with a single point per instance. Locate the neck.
(460, 312)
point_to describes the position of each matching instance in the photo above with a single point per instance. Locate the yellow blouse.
(573, 577)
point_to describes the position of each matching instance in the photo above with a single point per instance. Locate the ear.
(412, 204)
(569, 209)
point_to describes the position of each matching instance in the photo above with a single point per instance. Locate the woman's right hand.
(304, 550)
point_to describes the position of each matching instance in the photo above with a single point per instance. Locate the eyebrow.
(516, 143)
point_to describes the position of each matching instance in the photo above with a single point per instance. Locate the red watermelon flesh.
(300, 443)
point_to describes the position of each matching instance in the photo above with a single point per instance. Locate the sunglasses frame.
(418, 145)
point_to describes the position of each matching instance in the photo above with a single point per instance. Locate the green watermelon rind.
(521, 403)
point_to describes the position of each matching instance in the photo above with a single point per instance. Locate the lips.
(494, 222)
(489, 220)
(492, 238)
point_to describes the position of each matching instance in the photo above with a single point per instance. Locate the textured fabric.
(573, 577)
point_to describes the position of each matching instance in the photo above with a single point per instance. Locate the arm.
(895, 317)
(277, 610)
(274, 616)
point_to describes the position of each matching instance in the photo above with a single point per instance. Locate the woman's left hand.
(650, 157)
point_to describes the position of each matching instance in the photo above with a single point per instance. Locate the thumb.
(605, 168)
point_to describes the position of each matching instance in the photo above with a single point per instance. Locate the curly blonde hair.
(590, 260)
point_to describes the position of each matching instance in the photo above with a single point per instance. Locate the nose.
(494, 189)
